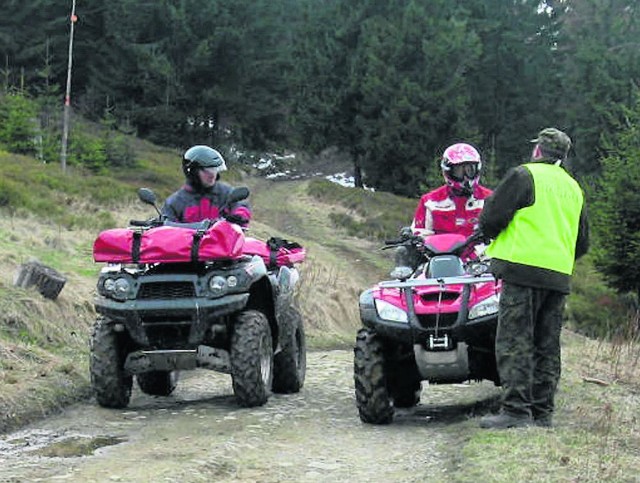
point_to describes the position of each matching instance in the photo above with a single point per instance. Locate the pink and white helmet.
(461, 165)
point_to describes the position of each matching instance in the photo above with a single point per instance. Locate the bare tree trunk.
(357, 175)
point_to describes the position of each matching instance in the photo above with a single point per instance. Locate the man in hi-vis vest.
(538, 222)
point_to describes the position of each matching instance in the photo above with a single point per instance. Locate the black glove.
(406, 233)
(480, 237)
(237, 219)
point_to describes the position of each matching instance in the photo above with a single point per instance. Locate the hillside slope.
(44, 344)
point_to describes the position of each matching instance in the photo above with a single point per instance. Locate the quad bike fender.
(480, 332)
(286, 280)
(263, 297)
(283, 282)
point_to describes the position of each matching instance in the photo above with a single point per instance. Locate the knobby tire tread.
(290, 364)
(111, 386)
(372, 396)
(250, 332)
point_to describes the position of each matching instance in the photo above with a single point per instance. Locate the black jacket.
(514, 192)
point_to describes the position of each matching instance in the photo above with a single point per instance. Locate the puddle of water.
(53, 444)
(77, 446)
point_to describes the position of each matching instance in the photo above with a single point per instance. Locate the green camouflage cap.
(553, 141)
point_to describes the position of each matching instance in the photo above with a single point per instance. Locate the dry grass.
(597, 430)
(327, 299)
(43, 343)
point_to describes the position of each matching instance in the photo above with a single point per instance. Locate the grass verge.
(596, 433)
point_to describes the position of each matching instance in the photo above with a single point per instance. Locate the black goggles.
(463, 171)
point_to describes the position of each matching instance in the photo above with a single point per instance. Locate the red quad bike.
(176, 296)
(435, 324)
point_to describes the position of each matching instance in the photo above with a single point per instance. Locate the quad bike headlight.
(217, 285)
(486, 307)
(117, 288)
(232, 281)
(390, 312)
(121, 288)
(109, 284)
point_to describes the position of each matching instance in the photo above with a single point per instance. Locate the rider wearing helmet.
(456, 206)
(203, 195)
(452, 208)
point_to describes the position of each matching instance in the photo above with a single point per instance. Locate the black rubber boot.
(504, 421)
(543, 422)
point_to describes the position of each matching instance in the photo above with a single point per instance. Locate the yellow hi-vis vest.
(544, 234)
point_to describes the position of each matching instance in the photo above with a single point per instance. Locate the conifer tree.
(615, 216)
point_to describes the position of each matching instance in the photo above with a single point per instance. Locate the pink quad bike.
(181, 296)
(436, 323)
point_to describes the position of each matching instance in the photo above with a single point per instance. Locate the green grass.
(44, 190)
(368, 214)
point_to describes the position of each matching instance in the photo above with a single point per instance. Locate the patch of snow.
(264, 163)
(286, 156)
(342, 179)
(345, 180)
(278, 175)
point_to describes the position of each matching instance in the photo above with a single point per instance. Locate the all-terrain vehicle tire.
(158, 383)
(405, 394)
(290, 364)
(251, 358)
(372, 396)
(111, 386)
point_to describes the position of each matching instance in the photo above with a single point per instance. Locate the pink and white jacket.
(440, 212)
(189, 206)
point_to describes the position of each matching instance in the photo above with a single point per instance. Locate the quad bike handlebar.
(408, 238)
(442, 245)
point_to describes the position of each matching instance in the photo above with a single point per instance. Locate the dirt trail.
(200, 434)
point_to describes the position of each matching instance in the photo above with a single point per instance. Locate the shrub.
(11, 195)
(89, 152)
(18, 124)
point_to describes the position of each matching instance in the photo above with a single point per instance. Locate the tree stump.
(47, 280)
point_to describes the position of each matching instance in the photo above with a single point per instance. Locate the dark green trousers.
(528, 349)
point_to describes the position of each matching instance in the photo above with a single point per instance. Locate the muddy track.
(201, 434)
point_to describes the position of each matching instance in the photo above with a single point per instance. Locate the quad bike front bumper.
(142, 361)
(445, 345)
(195, 315)
(478, 331)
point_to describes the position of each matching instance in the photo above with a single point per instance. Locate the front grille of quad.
(440, 296)
(433, 321)
(166, 290)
